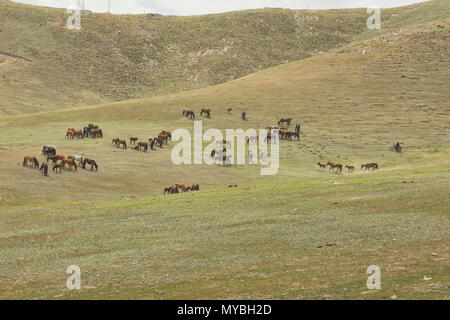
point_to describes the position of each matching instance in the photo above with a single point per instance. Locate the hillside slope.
(45, 66)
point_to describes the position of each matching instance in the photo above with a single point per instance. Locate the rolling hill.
(305, 233)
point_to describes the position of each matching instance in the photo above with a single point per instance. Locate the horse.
(207, 112)
(171, 190)
(70, 133)
(58, 166)
(151, 143)
(195, 187)
(168, 133)
(86, 132)
(244, 116)
(293, 135)
(133, 140)
(44, 167)
(322, 166)
(182, 186)
(96, 133)
(368, 166)
(350, 168)
(48, 150)
(92, 163)
(287, 121)
(32, 161)
(122, 143)
(71, 163)
(56, 158)
(336, 166)
(79, 134)
(143, 145)
(76, 158)
(189, 114)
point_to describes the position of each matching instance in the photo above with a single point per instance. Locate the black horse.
(44, 167)
(49, 151)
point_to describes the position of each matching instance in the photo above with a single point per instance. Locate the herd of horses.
(59, 161)
(189, 114)
(337, 167)
(162, 138)
(91, 131)
(181, 186)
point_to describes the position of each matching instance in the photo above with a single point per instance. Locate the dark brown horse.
(56, 158)
(90, 162)
(350, 168)
(207, 112)
(286, 121)
(143, 145)
(133, 140)
(189, 114)
(122, 143)
(34, 163)
(336, 166)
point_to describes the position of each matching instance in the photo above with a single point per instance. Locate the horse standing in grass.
(143, 145)
(368, 166)
(56, 158)
(90, 162)
(350, 168)
(336, 166)
(71, 163)
(322, 166)
(122, 143)
(44, 167)
(133, 141)
(286, 121)
(183, 187)
(207, 112)
(58, 167)
(34, 163)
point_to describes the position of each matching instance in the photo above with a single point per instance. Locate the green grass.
(267, 238)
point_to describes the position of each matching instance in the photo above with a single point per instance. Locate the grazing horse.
(293, 135)
(143, 145)
(86, 132)
(152, 142)
(44, 167)
(183, 187)
(32, 161)
(96, 133)
(207, 112)
(58, 166)
(90, 162)
(164, 138)
(188, 114)
(195, 187)
(336, 166)
(133, 140)
(71, 163)
(55, 159)
(322, 166)
(79, 134)
(368, 166)
(122, 143)
(350, 168)
(287, 121)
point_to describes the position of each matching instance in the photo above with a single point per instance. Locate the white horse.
(77, 158)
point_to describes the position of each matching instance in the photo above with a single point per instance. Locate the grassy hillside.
(45, 66)
(267, 238)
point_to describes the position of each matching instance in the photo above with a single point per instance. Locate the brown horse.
(70, 133)
(79, 134)
(56, 158)
(133, 140)
(207, 112)
(143, 145)
(322, 166)
(168, 133)
(115, 141)
(90, 162)
(336, 166)
(189, 114)
(287, 121)
(58, 166)
(183, 187)
(164, 138)
(122, 143)
(71, 163)
(32, 161)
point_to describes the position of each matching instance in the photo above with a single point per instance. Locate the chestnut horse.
(322, 166)
(32, 161)
(58, 166)
(71, 163)
(122, 143)
(183, 187)
(336, 166)
(56, 158)
(143, 145)
(92, 163)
